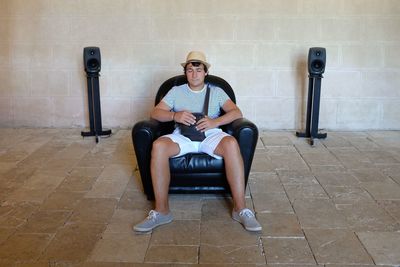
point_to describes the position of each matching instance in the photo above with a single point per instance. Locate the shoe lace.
(246, 213)
(152, 215)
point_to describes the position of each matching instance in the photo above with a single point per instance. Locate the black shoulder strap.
(206, 100)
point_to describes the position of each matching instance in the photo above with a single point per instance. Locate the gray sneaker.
(152, 221)
(247, 219)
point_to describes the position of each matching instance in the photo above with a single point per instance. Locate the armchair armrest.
(239, 125)
(151, 129)
(246, 134)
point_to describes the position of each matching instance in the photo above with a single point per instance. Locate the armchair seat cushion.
(195, 163)
(197, 172)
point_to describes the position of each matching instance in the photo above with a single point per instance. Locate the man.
(178, 105)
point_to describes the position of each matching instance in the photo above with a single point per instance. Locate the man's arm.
(232, 112)
(162, 112)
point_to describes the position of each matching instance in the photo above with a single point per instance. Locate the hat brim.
(203, 62)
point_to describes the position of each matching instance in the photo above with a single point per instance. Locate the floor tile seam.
(370, 138)
(382, 165)
(391, 178)
(65, 175)
(388, 213)
(291, 202)
(50, 235)
(237, 248)
(302, 157)
(327, 228)
(69, 191)
(272, 212)
(42, 253)
(46, 156)
(363, 246)
(293, 264)
(368, 192)
(85, 223)
(58, 150)
(19, 160)
(23, 220)
(293, 209)
(376, 201)
(262, 249)
(8, 237)
(51, 211)
(332, 198)
(260, 243)
(71, 213)
(336, 156)
(309, 246)
(282, 237)
(325, 191)
(35, 172)
(397, 220)
(172, 245)
(200, 226)
(167, 262)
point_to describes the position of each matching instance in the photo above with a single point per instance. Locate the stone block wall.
(259, 46)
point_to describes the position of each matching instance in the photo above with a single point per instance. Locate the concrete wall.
(259, 46)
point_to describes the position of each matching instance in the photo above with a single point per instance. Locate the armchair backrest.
(181, 79)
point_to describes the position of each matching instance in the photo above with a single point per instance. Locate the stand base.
(317, 136)
(94, 133)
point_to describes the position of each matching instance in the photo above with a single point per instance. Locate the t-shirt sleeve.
(222, 97)
(170, 97)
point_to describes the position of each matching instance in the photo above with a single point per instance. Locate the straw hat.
(196, 56)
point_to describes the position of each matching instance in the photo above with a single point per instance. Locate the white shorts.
(208, 145)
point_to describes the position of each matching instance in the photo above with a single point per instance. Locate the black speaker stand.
(314, 95)
(94, 108)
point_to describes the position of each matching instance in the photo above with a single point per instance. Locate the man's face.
(195, 76)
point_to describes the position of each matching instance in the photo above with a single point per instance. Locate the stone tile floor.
(67, 201)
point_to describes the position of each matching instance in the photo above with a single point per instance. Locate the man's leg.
(228, 148)
(163, 149)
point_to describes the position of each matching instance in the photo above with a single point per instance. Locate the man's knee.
(228, 144)
(159, 145)
(163, 147)
(229, 141)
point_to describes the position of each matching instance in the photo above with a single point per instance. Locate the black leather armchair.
(194, 172)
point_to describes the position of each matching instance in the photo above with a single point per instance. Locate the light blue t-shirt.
(181, 98)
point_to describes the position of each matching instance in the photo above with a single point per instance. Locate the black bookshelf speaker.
(316, 60)
(92, 59)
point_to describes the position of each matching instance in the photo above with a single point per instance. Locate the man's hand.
(185, 117)
(206, 123)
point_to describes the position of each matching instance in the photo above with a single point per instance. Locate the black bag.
(190, 131)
